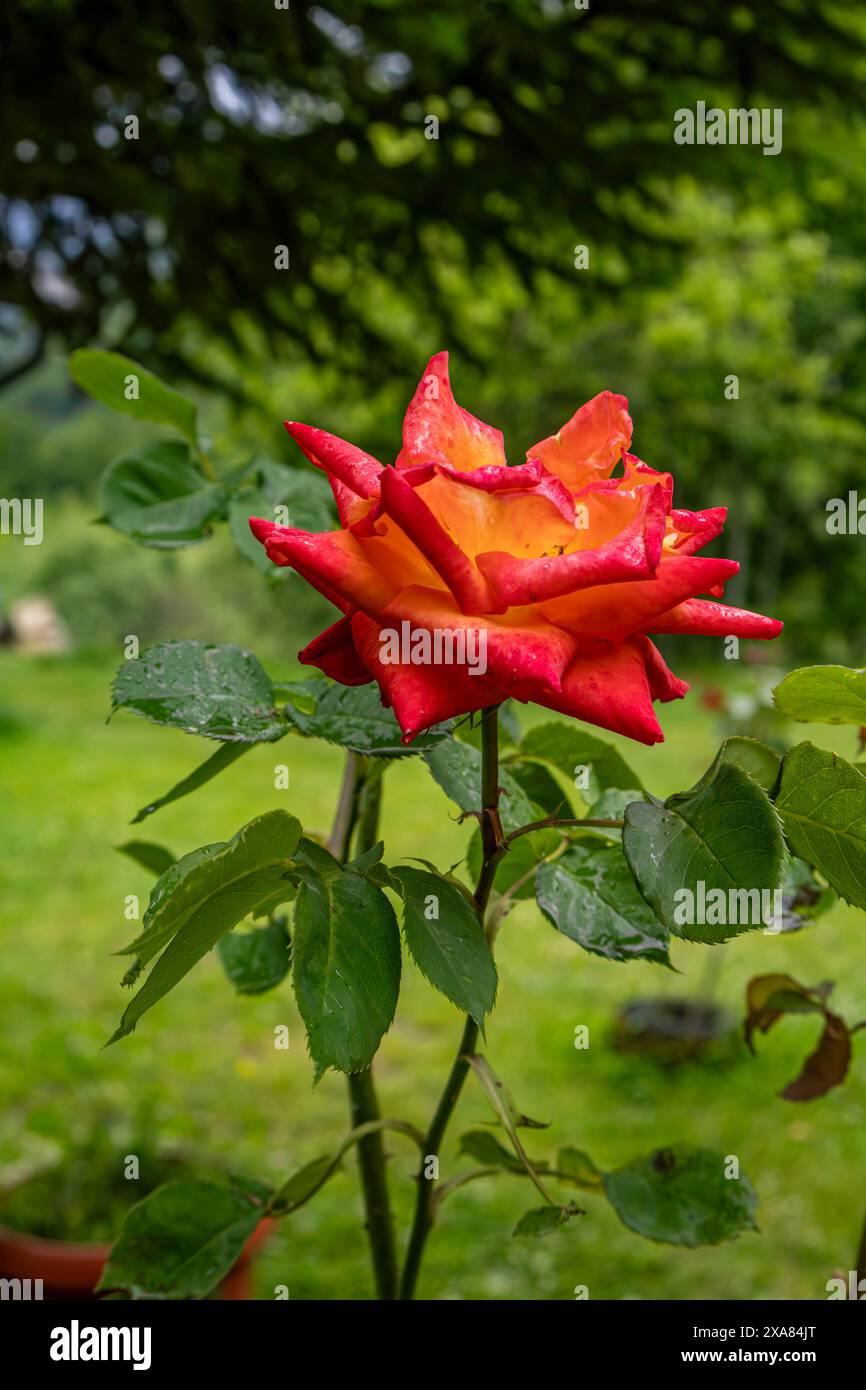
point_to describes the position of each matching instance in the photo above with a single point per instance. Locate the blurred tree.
(155, 158)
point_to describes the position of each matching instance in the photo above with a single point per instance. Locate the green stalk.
(358, 815)
(492, 846)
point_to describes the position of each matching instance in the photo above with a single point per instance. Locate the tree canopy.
(262, 126)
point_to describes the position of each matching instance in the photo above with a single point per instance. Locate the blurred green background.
(305, 128)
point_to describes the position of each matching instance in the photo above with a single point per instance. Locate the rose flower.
(557, 570)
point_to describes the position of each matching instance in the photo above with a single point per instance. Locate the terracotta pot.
(71, 1271)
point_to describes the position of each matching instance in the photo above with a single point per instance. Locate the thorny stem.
(493, 845)
(364, 1105)
(358, 813)
(552, 822)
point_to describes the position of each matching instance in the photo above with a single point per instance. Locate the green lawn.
(202, 1070)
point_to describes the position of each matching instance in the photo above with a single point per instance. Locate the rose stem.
(492, 851)
(358, 813)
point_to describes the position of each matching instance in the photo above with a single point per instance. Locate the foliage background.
(305, 127)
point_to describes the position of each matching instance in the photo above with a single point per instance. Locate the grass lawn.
(202, 1069)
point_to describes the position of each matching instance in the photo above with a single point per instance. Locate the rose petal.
(525, 522)
(699, 616)
(522, 659)
(693, 530)
(353, 474)
(421, 695)
(614, 611)
(611, 691)
(636, 473)
(663, 684)
(351, 509)
(401, 501)
(331, 558)
(531, 478)
(437, 430)
(590, 444)
(633, 554)
(335, 653)
(357, 470)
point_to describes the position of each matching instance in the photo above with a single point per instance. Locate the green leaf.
(149, 856)
(449, 947)
(758, 759)
(304, 1184)
(696, 855)
(823, 695)
(680, 1196)
(589, 895)
(351, 716)
(304, 494)
(159, 496)
(242, 505)
(577, 1168)
(346, 968)
(198, 903)
(510, 1117)
(541, 1221)
(610, 806)
(224, 756)
(308, 1180)
(256, 960)
(105, 377)
(540, 786)
(822, 802)
(320, 860)
(486, 1149)
(566, 747)
(220, 692)
(500, 1099)
(456, 767)
(368, 860)
(181, 1240)
(178, 893)
(302, 696)
(150, 941)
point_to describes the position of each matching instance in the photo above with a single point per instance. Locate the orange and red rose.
(564, 569)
